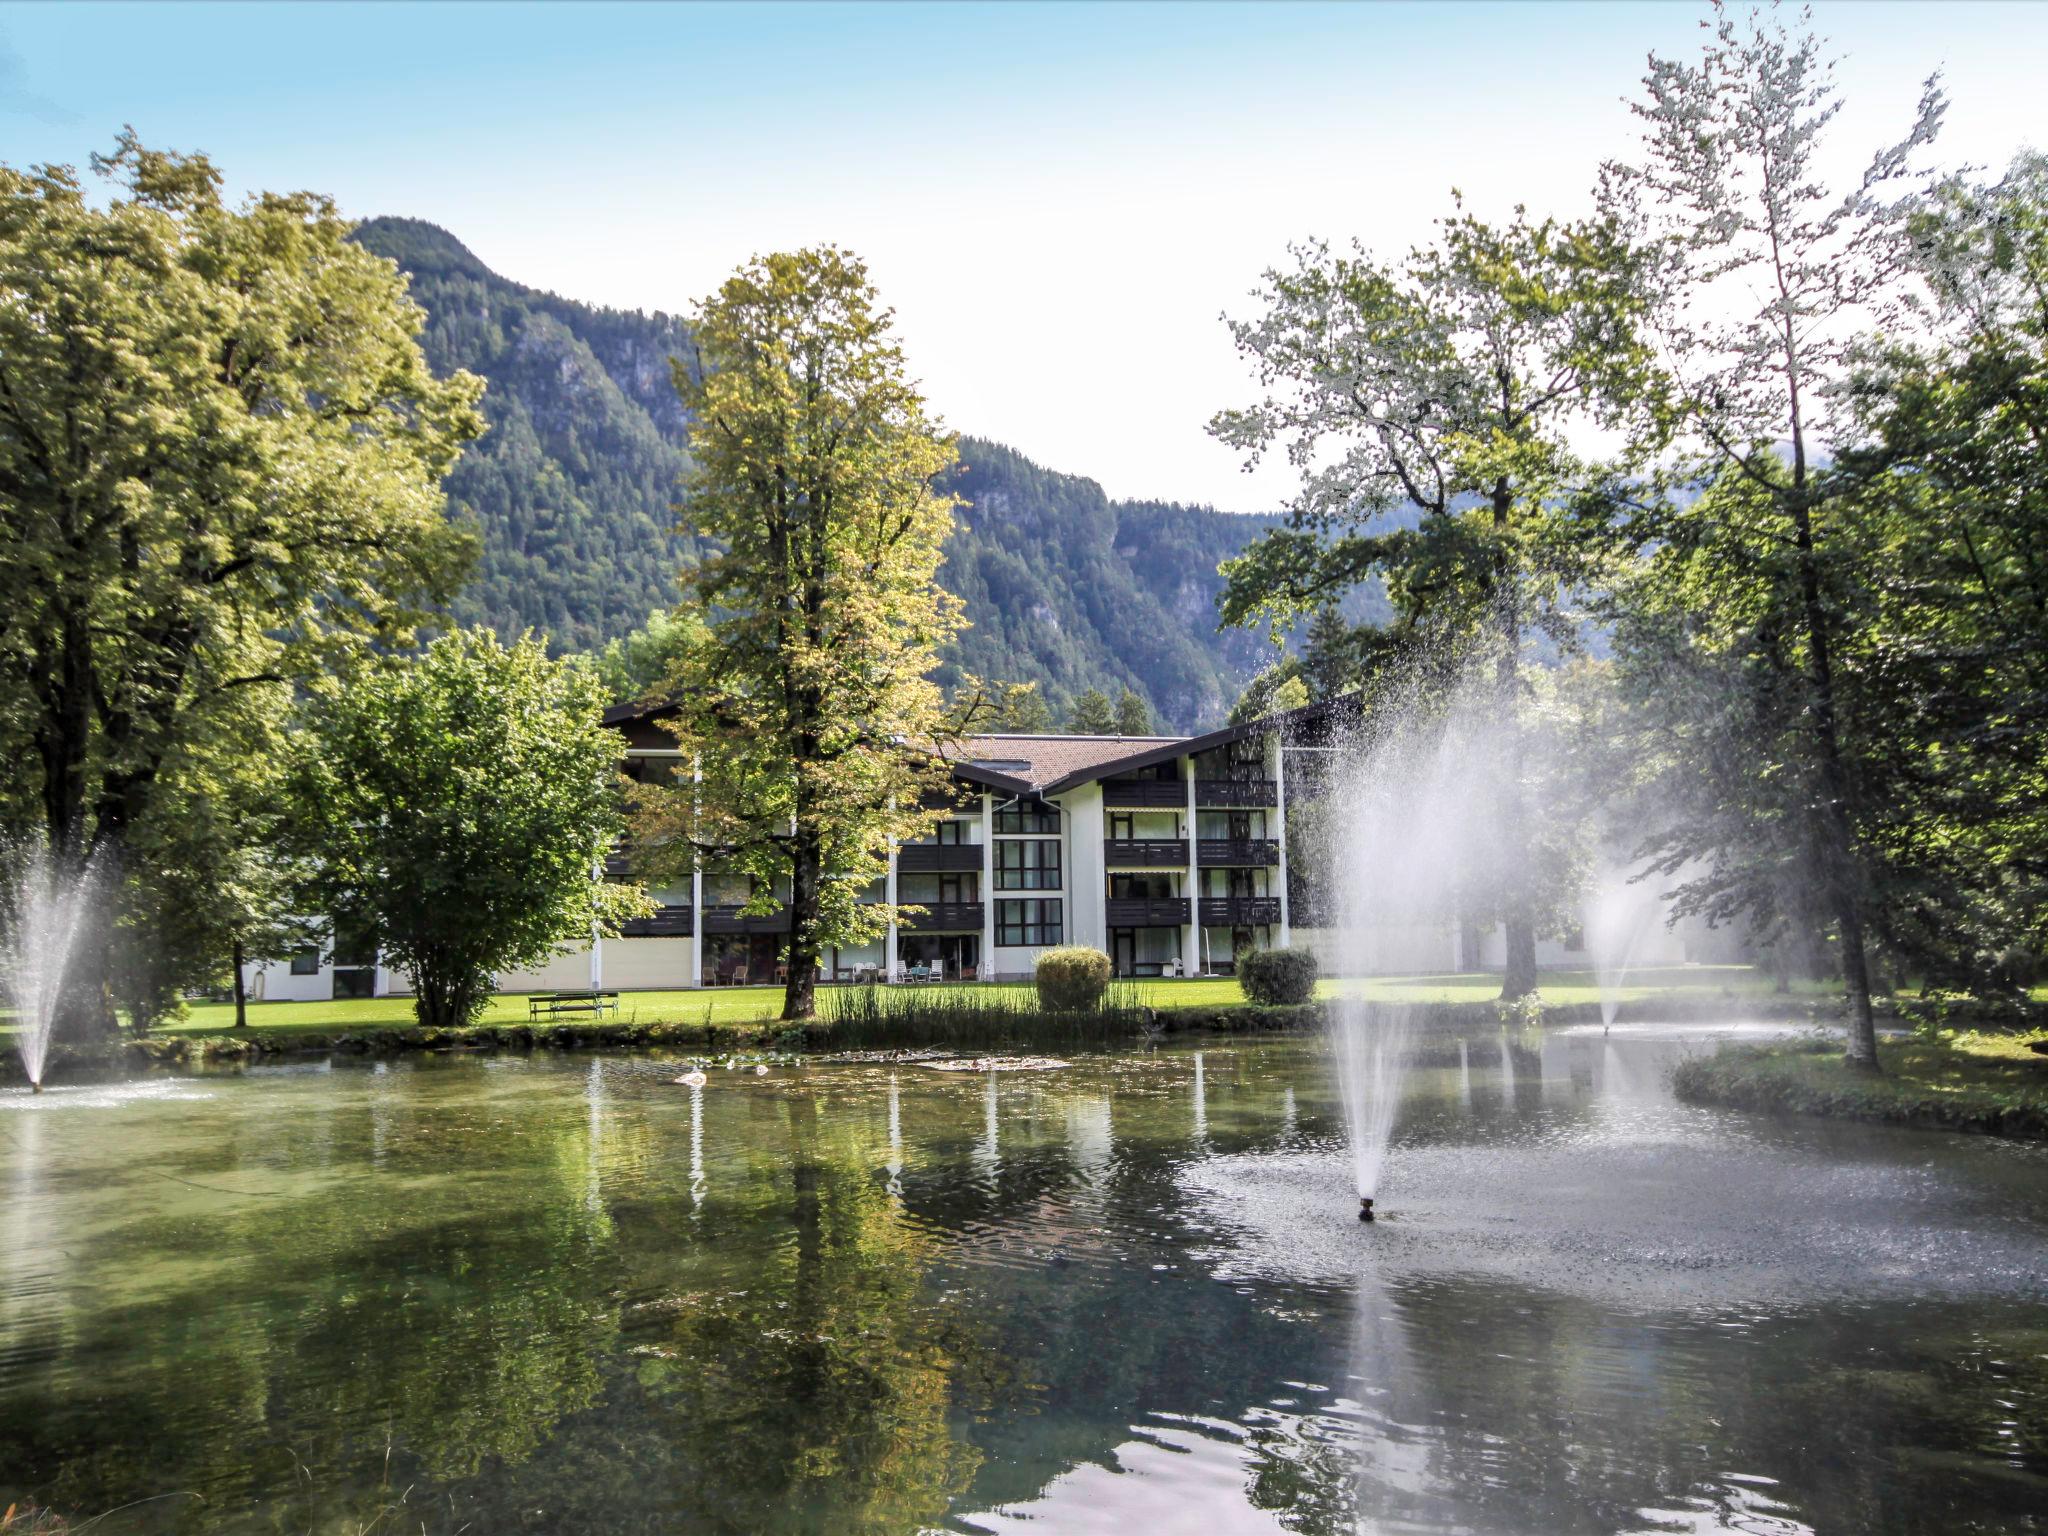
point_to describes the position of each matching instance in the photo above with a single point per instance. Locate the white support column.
(696, 889)
(1280, 795)
(596, 936)
(1191, 951)
(986, 971)
(889, 896)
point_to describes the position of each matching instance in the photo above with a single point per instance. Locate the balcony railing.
(665, 923)
(1144, 792)
(1145, 853)
(1233, 911)
(946, 917)
(1239, 853)
(931, 858)
(1147, 911)
(729, 919)
(1242, 794)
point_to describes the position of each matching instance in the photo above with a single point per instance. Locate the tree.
(640, 664)
(220, 465)
(1953, 502)
(1764, 277)
(1427, 406)
(456, 807)
(1274, 691)
(1093, 715)
(1020, 709)
(1132, 717)
(807, 700)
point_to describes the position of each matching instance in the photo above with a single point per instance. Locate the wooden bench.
(550, 1005)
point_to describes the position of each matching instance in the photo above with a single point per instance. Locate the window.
(1029, 865)
(1123, 826)
(306, 962)
(1028, 816)
(1030, 922)
(952, 833)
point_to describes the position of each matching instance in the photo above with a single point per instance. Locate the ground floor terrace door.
(953, 955)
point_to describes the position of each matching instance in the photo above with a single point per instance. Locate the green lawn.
(1965, 1079)
(741, 1005)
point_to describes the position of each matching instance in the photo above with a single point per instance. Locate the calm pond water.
(560, 1294)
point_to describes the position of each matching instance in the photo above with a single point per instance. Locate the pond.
(552, 1293)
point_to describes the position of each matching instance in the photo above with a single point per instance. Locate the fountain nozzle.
(35, 1085)
(1365, 1208)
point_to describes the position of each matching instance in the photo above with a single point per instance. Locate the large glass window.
(306, 962)
(1028, 816)
(1028, 864)
(1030, 922)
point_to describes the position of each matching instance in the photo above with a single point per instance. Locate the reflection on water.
(552, 1294)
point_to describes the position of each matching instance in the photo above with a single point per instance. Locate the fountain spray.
(47, 904)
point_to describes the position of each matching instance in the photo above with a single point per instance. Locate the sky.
(1060, 201)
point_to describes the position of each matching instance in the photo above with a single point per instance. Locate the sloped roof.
(1036, 761)
(1050, 764)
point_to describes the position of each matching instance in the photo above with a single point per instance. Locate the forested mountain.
(572, 487)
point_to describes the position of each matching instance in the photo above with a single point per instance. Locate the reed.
(978, 1016)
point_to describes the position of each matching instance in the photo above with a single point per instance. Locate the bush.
(1276, 976)
(1071, 979)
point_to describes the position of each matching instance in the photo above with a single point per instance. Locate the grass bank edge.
(1982, 1081)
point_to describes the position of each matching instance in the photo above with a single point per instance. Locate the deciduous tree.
(456, 808)
(1427, 406)
(1765, 277)
(807, 700)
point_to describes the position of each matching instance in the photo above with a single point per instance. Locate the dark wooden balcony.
(1124, 793)
(1239, 794)
(1239, 853)
(1236, 911)
(945, 917)
(736, 920)
(932, 858)
(1147, 911)
(1145, 853)
(665, 923)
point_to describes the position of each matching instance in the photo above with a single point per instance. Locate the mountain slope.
(571, 491)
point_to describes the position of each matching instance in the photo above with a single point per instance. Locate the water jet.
(46, 905)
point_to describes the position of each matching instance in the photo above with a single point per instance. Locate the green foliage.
(805, 691)
(1132, 718)
(1278, 976)
(1070, 978)
(1274, 691)
(1019, 709)
(1093, 715)
(640, 664)
(1438, 397)
(454, 806)
(1760, 602)
(220, 460)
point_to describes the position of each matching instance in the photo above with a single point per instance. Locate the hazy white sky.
(1059, 200)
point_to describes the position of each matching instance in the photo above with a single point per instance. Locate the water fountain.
(1618, 919)
(47, 903)
(1407, 846)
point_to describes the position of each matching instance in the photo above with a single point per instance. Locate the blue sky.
(1060, 200)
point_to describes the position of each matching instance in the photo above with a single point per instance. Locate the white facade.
(1167, 854)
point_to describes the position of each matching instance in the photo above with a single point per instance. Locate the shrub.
(1276, 976)
(1071, 978)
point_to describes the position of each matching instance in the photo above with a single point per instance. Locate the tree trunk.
(241, 991)
(1835, 836)
(1518, 975)
(800, 989)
